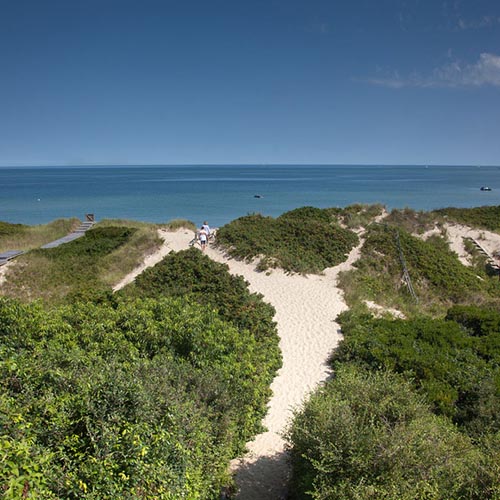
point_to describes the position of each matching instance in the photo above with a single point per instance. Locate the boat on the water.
(485, 188)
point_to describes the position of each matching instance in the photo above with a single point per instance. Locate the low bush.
(459, 372)
(368, 435)
(192, 274)
(487, 217)
(137, 399)
(305, 240)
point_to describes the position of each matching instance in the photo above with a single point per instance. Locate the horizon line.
(228, 164)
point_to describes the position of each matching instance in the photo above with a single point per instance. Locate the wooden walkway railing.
(77, 233)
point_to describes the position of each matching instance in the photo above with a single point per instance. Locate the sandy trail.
(456, 233)
(306, 308)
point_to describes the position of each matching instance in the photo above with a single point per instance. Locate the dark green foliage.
(369, 436)
(487, 217)
(481, 322)
(95, 243)
(304, 240)
(190, 273)
(459, 373)
(138, 399)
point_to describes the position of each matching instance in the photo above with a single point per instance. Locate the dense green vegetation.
(368, 435)
(438, 277)
(192, 274)
(487, 217)
(146, 393)
(149, 392)
(22, 237)
(135, 399)
(305, 240)
(412, 411)
(454, 361)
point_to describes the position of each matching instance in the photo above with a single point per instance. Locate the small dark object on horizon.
(485, 188)
(258, 196)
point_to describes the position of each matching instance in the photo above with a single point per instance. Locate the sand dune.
(306, 308)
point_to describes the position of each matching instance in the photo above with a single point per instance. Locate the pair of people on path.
(203, 235)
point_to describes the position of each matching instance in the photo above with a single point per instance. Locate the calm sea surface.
(219, 194)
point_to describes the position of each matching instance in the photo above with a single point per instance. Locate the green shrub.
(136, 399)
(459, 373)
(305, 240)
(368, 435)
(487, 217)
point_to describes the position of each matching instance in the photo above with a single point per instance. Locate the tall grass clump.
(75, 269)
(175, 224)
(487, 217)
(23, 237)
(414, 222)
(143, 241)
(305, 240)
(357, 215)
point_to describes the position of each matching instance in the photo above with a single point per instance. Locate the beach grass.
(22, 237)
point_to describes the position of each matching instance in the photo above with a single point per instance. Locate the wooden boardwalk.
(6, 256)
(490, 259)
(77, 233)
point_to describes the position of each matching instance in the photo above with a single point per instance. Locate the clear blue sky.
(254, 81)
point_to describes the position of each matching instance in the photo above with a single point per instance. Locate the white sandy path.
(3, 271)
(306, 308)
(456, 232)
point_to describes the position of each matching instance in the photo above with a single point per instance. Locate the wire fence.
(406, 275)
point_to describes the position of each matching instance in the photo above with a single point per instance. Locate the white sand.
(3, 271)
(456, 232)
(306, 308)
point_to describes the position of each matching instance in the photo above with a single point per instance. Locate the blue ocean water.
(221, 193)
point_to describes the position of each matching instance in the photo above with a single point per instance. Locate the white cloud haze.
(485, 72)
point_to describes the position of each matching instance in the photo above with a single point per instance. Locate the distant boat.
(258, 196)
(485, 188)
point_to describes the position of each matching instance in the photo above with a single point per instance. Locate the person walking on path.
(203, 237)
(206, 227)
